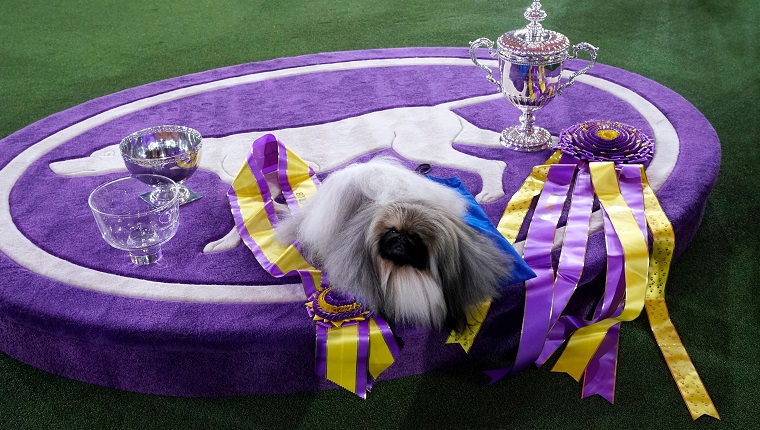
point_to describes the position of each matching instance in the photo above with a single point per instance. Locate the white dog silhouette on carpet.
(423, 134)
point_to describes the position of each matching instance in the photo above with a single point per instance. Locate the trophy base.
(186, 195)
(537, 140)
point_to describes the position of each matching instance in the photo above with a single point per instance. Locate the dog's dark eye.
(392, 230)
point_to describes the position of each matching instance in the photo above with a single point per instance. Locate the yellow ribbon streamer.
(509, 226)
(343, 355)
(299, 178)
(380, 355)
(583, 343)
(474, 320)
(685, 375)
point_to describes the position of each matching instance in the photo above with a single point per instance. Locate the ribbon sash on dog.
(353, 347)
(634, 279)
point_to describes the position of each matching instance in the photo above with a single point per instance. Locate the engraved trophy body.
(530, 63)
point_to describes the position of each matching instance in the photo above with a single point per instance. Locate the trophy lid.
(533, 45)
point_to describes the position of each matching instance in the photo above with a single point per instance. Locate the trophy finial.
(535, 15)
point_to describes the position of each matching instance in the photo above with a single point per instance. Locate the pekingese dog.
(397, 242)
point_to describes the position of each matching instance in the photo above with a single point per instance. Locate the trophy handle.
(591, 50)
(483, 41)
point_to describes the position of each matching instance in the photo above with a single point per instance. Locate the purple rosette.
(606, 141)
(330, 306)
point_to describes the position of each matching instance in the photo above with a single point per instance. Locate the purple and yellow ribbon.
(353, 347)
(583, 344)
(634, 279)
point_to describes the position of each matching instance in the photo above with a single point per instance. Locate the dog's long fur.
(397, 241)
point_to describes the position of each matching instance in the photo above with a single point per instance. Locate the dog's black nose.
(404, 249)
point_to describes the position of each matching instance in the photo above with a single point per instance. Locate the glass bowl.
(137, 214)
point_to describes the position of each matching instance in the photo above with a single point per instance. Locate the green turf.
(56, 54)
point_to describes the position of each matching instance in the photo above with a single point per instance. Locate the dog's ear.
(470, 268)
(323, 216)
(350, 258)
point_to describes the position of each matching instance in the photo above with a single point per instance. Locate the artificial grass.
(57, 54)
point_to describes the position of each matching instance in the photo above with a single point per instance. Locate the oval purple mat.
(211, 324)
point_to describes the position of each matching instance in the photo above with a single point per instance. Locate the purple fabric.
(570, 269)
(600, 373)
(210, 349)
(363, 378)
(539, 290)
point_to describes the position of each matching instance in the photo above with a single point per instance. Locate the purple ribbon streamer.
(539, 291)
(572, 258)
(497, 374)
(363, 378)
(599, 377)
(321, 350)
(614, 292)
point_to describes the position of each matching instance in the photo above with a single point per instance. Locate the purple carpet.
(205, 344)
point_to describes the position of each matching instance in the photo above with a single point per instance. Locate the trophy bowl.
(531, 61)
(172, 151)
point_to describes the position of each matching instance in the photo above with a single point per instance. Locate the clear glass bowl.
(137, 214)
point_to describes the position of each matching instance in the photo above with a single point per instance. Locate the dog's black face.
(404, 248)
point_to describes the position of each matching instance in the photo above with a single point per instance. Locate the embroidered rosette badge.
(606, 141)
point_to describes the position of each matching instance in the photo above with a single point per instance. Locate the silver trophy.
(172, 151)
(530, 62)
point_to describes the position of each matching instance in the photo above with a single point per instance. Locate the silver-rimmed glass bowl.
(172, 151)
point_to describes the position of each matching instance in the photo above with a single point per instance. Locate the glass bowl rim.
(155, 209)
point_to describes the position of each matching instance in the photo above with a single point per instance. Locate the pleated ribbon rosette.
(353, 345)
(603, 161)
